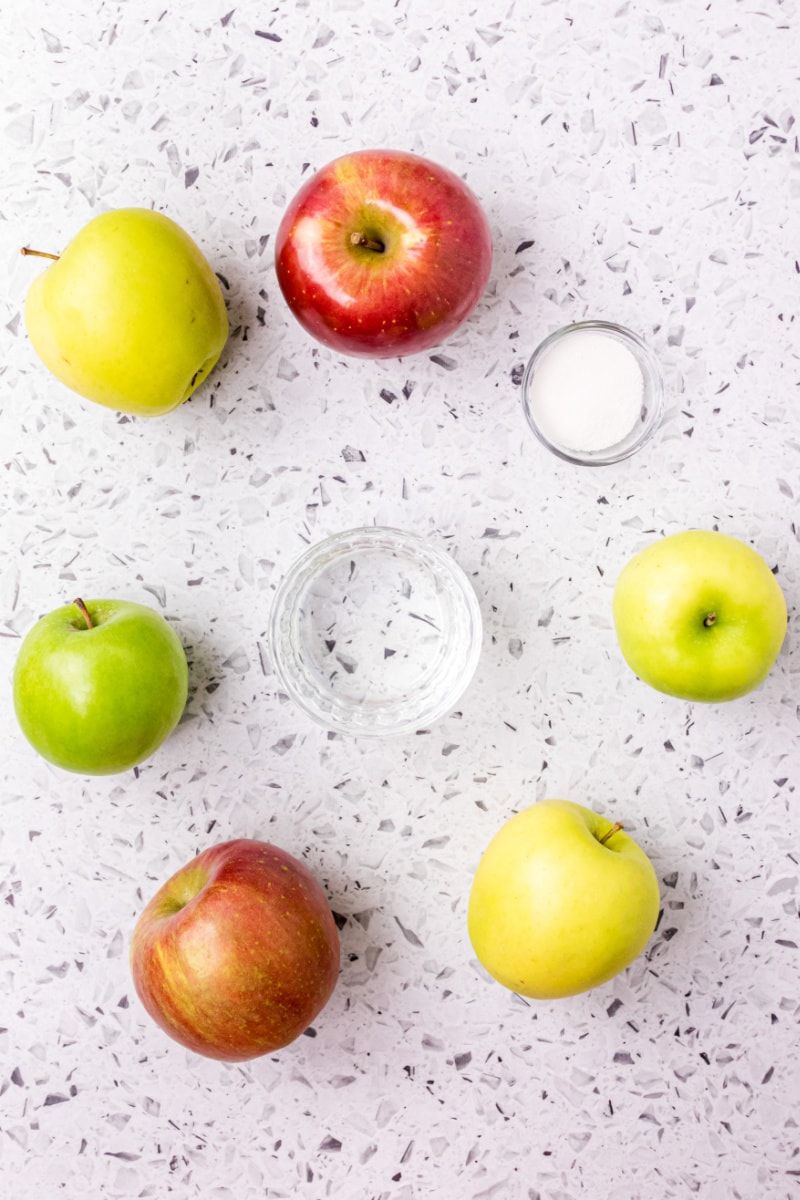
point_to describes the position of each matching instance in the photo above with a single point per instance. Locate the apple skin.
(666, 593)
(553, 911)
(434, 266)
(131, 315)
(98, 701)
(237, 953)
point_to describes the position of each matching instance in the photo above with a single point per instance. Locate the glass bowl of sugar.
(593, 393)
(375, 631)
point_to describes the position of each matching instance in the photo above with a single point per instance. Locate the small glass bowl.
(374, 631)
(652, 406)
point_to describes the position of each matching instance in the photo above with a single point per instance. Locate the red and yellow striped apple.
(238, 952)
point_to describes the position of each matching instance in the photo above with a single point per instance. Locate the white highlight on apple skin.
(309, 248)
(586, 392)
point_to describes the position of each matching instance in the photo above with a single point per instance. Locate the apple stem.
(615, 828)
(79, 604)
(39, 253)
(360, 239)
(710, 619)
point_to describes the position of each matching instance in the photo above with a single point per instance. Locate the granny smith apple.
(130, 315)
(699, 615)
(383, 253)
(238, 952)
(562, 901)
(99, 685)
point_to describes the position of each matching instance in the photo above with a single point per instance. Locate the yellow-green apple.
(130, 315)
(382, 253)
(99, 685)
(699, 615)
(562, 901)
(238, 952)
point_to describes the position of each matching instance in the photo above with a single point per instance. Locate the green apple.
(562, 901)
(699, 615)
(99, 686)
(130, 315)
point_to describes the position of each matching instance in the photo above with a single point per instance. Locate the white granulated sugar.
(586, 391)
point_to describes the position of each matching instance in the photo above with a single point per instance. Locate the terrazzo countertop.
(637, 163)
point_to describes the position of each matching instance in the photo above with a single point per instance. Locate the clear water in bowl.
(375, 631)
(374, 627)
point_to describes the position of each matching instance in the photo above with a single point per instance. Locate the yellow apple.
(699, 615)
(130, 315)
(562, 901)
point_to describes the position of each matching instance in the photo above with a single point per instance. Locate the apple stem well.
(710, 620)
(361, 239)
(615, 828)
(26, 250)
(79, 604)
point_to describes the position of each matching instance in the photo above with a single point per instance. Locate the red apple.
(238, 952)
(383, 253)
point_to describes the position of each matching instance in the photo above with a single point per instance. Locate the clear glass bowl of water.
(375, 631)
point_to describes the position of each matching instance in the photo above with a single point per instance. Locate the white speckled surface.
(638, 164)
